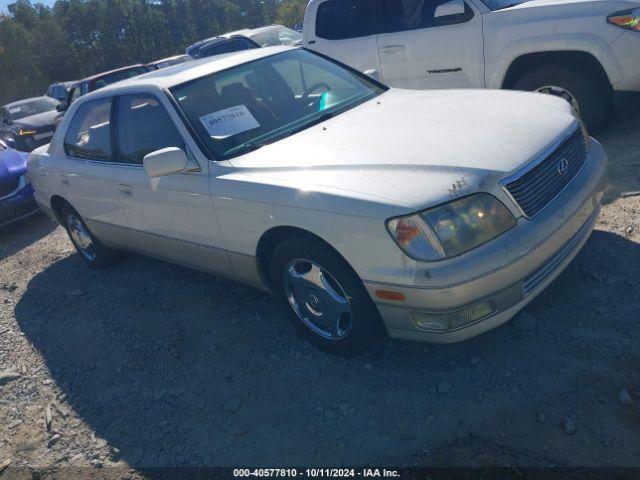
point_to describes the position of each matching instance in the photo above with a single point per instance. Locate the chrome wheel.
(562, 93)
(81, 237)
(318, 299)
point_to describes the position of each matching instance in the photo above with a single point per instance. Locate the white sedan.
(427, 215)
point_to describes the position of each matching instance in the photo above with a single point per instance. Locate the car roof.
(110, 72)
(185, 72)
(24, 100)
(245, 32)
(166, 59)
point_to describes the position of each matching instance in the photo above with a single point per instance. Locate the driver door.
(170, 217)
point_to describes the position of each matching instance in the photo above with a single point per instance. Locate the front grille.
(8, 186)
(540, 185)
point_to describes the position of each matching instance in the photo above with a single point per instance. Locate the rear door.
(422, 48)
(346, 30)
(170, 217)
(85, 174)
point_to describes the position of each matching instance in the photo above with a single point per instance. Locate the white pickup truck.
(581, 50)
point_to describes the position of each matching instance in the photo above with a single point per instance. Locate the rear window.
(341, 19)
(227, 46)
(116, 77)
(89, 134)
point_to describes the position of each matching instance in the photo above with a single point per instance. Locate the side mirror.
(61, 107)
(165, 162)
(453, 7)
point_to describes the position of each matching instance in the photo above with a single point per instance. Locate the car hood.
(12, 164)
(414, 149)
(40, 120)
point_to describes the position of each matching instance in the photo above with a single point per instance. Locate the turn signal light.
(629, 19)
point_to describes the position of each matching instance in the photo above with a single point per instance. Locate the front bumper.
(495, 296)
(18, 205)
(625, 49)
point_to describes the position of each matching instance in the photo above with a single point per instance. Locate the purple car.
(16, 193)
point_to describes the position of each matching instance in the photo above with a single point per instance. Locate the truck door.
(345, 30)
(431, 44)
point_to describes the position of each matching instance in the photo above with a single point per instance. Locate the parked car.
(435, 216)
(269, 36)
(16, 193)
(168, 62)
(96, 82)
(29, 122)
(103, 79)
(60, 90)
(581, 50)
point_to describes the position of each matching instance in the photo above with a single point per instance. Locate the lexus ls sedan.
(424, 215)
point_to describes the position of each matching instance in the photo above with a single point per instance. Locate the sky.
(4, 3)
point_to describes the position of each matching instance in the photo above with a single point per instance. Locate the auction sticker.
(229, 122)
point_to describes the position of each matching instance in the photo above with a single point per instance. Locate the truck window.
(340, 19)
(404, 15)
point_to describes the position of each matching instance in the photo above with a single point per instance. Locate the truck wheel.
(329, 305)
(590, 97)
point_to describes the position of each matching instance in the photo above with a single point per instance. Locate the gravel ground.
(149, 364)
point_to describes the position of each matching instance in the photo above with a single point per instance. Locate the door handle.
(392, 48)
(125, 190)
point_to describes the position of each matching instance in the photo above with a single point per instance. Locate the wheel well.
(272, 238)
(571, 59)
(57, 202)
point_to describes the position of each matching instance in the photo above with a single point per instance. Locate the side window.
(143, 127)
(74, 94)
(403, 15)
(89, 134)
(341, 19)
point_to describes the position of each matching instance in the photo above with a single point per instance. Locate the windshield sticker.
(229, 122)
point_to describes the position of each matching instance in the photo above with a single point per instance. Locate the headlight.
(22, 132)
(628, 19)
(451, 229)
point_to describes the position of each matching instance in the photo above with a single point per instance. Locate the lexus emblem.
(563, 166)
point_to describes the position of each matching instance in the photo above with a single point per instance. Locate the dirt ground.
(149, 364)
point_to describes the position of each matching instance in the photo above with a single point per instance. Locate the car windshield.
(277, 36)
(502, 4)
(260, 102)
(32, 107)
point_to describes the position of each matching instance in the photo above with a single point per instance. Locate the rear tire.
(328, 303)
(91, 250)
(592, 96)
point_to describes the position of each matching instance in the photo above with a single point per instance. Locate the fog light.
(442, 322)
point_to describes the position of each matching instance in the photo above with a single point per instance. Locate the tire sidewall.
(591, 96)
(367, 328)
(103, 255)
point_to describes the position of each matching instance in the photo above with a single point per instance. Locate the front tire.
(590, 97)
(92, 251)
(328, 302)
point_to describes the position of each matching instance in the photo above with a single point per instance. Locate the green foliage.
(76, 38)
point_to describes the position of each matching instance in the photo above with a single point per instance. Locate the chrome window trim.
(537, 161)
